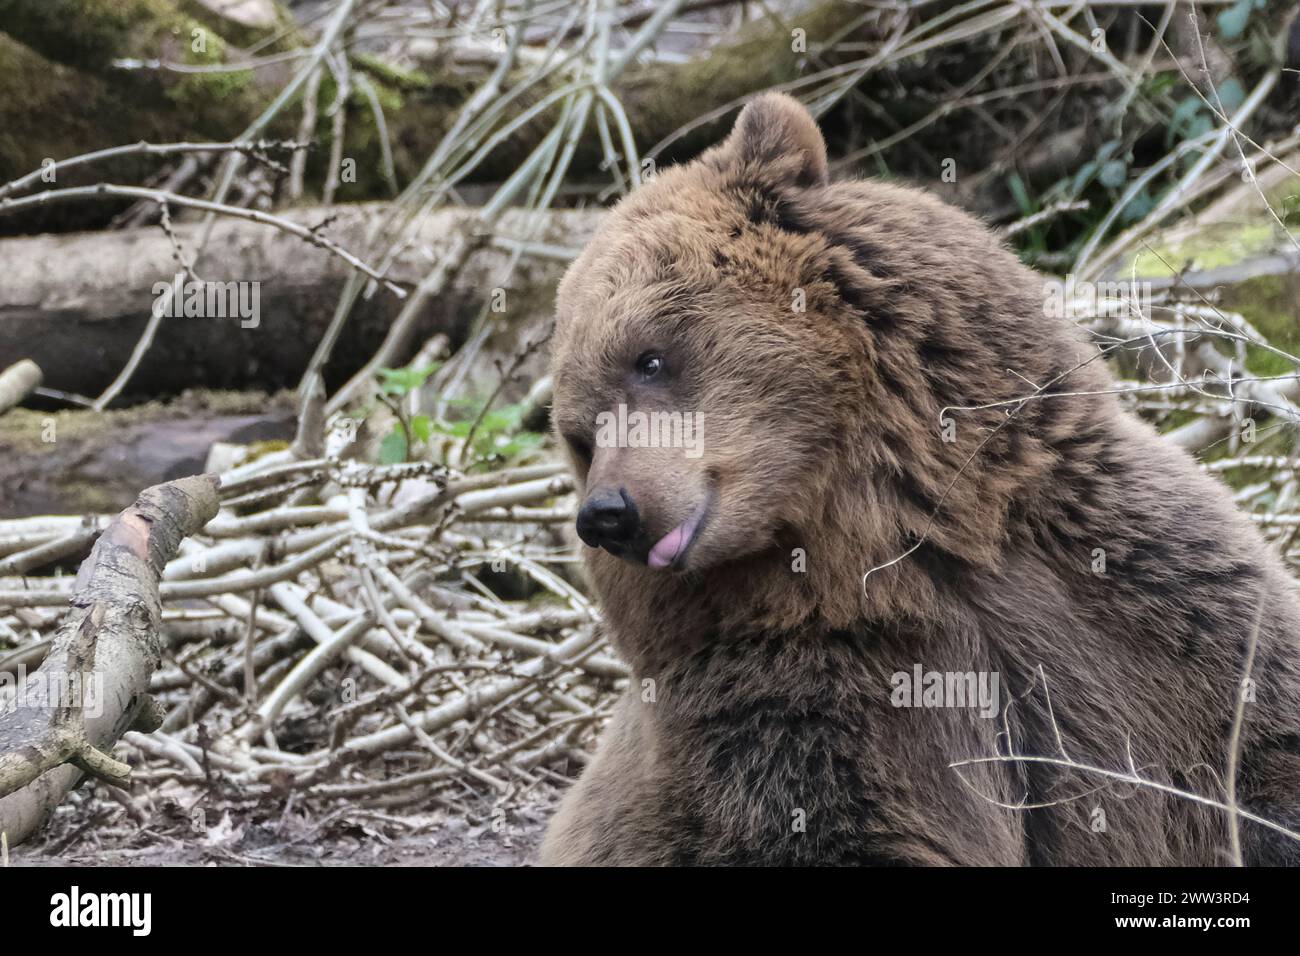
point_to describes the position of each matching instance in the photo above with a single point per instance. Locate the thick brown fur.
(761, 692)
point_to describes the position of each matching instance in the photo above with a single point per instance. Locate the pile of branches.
(358, 652)
(390, 635)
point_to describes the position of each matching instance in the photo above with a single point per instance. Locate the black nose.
(608, 519)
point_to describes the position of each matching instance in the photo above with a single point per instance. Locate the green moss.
(1177, 419)
(97, 107)
(259, 448)
(1270, 303)
(234, 91)
(243, 36)
(390, 99)
(390, 75)
(88, 34)
(90, 114)
(1212, 247)
(1284, 198)
(1272, 440)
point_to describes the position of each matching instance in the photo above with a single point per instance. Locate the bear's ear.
(775, 131)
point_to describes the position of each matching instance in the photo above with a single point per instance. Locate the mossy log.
(57, 59)
(91, 34)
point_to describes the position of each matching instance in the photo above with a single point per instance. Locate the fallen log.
(76, 304)
(93, 685)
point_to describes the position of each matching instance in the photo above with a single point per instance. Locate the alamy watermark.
(58, 689)
(198, 299)
(624, 429)
(1080, 299)
(133, 911)
(964, 689)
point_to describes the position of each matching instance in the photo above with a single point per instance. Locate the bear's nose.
(608, 519)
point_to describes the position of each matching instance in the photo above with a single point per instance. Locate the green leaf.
(1161, 83)
(1114, 173)
(1083, 176)
(399, 381)
(1231, 94)
(502, 419)
(1020, 194)
(392, 450)
(1138, 206)
(1185, 113)
(1199, 126)
(421, 427)
(521, 444)
(1232, 22)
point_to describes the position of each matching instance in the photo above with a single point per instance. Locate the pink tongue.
(662, 554)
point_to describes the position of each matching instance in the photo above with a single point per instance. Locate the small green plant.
(396, 383)
(402, 381)
(496, 435)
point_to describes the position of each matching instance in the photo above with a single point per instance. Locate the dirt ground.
(73, 461)
(91, 833)
(451, 845)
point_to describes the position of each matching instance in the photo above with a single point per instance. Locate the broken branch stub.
(94, 681)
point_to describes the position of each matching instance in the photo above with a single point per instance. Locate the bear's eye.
(649, 365)
(580, 447)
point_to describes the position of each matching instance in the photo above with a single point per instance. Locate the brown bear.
(872, 458)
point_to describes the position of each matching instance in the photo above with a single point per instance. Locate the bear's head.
(753, 363)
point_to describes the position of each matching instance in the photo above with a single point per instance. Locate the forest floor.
(100, 461)
(344, 838)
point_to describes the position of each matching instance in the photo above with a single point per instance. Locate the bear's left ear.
(776, 132)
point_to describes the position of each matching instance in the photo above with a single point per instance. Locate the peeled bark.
(93, 685)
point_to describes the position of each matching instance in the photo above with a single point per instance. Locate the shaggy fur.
(761, 691)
